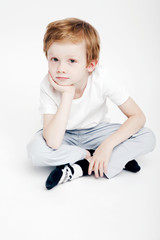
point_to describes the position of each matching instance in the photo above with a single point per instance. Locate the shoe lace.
(68, 174)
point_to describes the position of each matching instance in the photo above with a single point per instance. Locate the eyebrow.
(71, 56)
(68, 56)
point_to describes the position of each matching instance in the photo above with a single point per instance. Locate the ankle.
(88, 156)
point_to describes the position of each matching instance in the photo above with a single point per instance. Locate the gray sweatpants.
(75, 143)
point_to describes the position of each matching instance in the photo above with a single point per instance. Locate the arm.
(134, 123)
(55, 125)
(136, 120)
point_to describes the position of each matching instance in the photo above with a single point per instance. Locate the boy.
(77, 137)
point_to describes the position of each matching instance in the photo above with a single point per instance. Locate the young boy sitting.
(77, 136)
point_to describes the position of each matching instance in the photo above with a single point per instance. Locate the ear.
(92, 65)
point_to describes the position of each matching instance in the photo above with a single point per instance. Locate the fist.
(60, 88)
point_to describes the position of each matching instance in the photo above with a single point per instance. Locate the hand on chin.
(63, 83)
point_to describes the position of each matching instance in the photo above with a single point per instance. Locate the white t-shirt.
(91, 108)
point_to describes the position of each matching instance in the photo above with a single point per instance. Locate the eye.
(54, 59)
(72, 60)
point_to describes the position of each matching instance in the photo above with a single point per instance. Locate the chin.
(64, 83)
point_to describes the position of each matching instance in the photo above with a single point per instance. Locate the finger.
(105, 166)
(96, 167)
(90, 168)
(50, 76)
(49, 73)
(101, 169)
(53, 83)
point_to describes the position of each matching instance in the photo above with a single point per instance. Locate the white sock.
(67, 174)
(77, 171)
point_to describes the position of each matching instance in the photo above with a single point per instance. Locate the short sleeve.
(47, 103)
(117, 94)
(114, 90)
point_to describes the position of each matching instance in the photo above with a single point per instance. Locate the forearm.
(132, 125)
(55, 130)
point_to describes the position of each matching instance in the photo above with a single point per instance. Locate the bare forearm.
(132, 125)
(55, 130)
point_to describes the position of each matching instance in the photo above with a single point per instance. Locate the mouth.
(62, 78)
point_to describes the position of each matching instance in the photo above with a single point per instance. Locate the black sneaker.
(132, 166)
(91, 151)
(59, 175)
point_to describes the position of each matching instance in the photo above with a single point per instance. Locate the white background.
(125, 207)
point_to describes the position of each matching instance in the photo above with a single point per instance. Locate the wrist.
(109, 143)
(68, 95)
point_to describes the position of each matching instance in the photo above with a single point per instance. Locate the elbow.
(142, 119)
(54, 146)
(51, 144)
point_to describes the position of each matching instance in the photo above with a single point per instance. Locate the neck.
(80, 87)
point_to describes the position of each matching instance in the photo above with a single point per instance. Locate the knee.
(33, 151)
(151, 138)
(37, 150)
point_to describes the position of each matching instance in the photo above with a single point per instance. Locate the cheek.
(79, 69)
(51, 67)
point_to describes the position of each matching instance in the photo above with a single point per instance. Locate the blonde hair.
(74, 30)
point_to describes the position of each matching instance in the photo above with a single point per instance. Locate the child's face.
(67, 62)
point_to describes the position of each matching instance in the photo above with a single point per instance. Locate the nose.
(61, 67)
